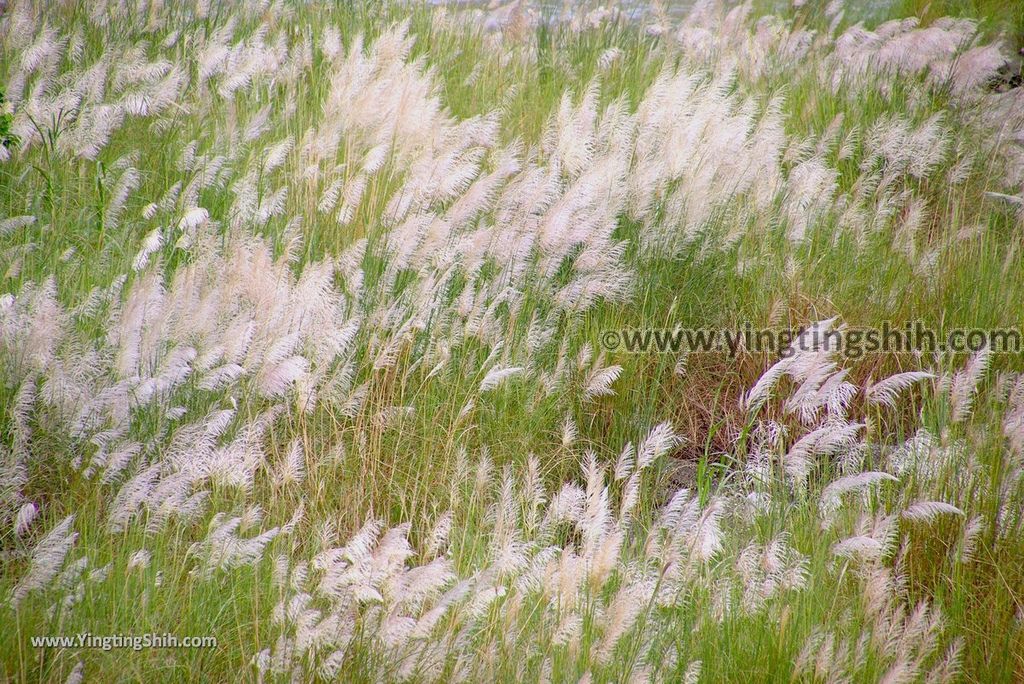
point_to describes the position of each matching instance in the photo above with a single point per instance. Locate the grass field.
(304, 342)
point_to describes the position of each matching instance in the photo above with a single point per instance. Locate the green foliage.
(424, 440)
(7, 139)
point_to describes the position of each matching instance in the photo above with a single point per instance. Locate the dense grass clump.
(302, 342)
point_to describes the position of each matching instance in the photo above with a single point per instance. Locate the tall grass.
(300, 344)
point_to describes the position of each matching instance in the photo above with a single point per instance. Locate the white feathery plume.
(77, 675)
(275, 379)
(832, 494)
(9, 225)
(948, 669)
(568, 631)
(1015, 201)
(860, 546)
(692, 673)
(599, 381)
(965, 550)
(497, 375)
(26, 514)
(222, 549)
(926, 511)
(886, 391)
(964, 384)
(292, 469)
(140, 559)
(275, 155)
(132, 495)
(827, 440)
(251, 517)
(221, 376)
(150, 244)
(757, 395)
(707, 539)
(127, 183)
(297, 517)
(625, 462)
(570, 432)
(46, 560)
(625, 608)
(608, 58)
(330, 195)
(117, 460)
(822, 388)
(438, 539)
(193, 218)
(658, 442)
(482, 601)
(630, 496)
